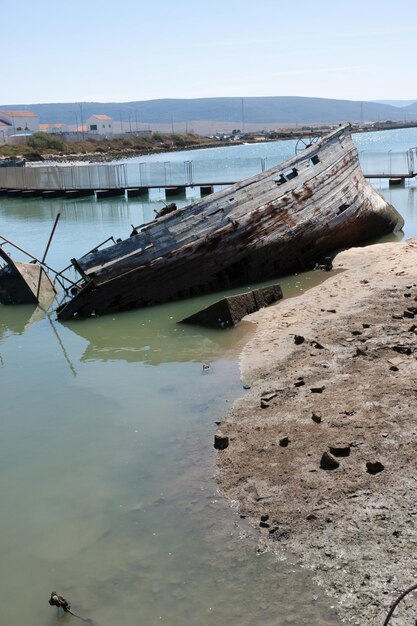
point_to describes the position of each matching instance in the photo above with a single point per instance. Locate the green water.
(106, 460)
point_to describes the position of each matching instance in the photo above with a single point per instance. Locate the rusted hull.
(273, 223)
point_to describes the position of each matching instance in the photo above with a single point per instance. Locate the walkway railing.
(198, 172)
(64, 177)
(390, 164)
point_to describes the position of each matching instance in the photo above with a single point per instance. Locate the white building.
(22, 120)
(99, 125)
(4, 132)
(53, 128)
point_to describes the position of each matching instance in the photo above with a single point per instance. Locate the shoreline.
(346, 390)
(124, 153)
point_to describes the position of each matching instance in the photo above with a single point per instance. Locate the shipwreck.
(278, 221)
(281, 220)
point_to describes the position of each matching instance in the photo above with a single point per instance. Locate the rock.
(365, 325)
(311, 516)
(298, 340)
(326, 265)
(396, 361)
(328, 461)
(397, 316)
(374, 467)
(340, 450)
(359, 352)
(316, 417)
(284, 442)
(317, 345)
(403, 350)
(394, 368)
(269, 395)
(408, 314)
(300, 382)
(279, 534)
(221, 441)
(317, 389)
(246, 387)
(264, 517)
(264, 403)
(356, 332)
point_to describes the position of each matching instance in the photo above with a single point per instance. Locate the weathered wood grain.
(271, 223)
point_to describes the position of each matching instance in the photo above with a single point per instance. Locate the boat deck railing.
(146, 175)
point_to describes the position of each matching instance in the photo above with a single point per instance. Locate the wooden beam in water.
(230, 310)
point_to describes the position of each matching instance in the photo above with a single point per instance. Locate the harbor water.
(107, 466)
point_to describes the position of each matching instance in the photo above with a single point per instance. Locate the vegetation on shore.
(40, 146)
(45, 146)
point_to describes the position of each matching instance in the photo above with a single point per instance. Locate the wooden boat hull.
(278, 221)
(24, 283)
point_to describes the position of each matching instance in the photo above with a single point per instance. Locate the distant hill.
(412, 108)
(280, 110)
(396, 103)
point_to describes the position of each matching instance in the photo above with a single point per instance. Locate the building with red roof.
(99, 125)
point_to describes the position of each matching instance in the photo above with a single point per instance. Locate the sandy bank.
(334, 371)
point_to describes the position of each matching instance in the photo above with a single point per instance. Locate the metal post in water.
(50, 237)
(45, 253)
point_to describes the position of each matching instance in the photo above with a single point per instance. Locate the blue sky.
(91, 50)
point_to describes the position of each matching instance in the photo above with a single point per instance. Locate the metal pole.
(34, 258)
(44, 255)
(81, 115)
(50, 237)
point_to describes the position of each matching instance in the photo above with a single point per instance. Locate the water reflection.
(154, 345)
(154, 335)
(16, 320)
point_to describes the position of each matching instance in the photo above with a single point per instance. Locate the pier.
(136, 178)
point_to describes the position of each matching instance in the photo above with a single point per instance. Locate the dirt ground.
(322, 452)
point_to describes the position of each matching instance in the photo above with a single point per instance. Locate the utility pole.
(82, 123)
(243, 116)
